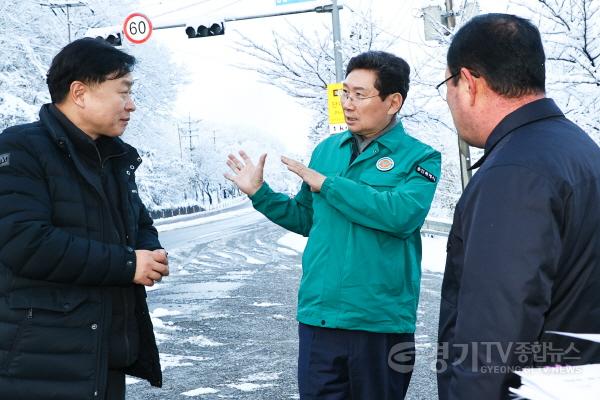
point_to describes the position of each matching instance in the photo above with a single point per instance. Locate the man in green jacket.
(365, 195)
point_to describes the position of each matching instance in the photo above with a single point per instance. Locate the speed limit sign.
(137, 28)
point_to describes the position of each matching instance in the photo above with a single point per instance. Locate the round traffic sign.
(137, 28)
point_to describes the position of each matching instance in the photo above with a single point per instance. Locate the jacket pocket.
(59, 321)
(62, 300)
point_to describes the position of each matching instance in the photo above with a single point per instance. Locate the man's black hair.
(504, 49)
(88, 60)
(393, 73)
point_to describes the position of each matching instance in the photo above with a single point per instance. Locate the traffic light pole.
(333, 8)
(337, 42)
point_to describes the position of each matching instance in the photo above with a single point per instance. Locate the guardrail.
(173, 212)
(436, 227)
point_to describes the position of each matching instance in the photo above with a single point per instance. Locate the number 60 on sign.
(137, 28)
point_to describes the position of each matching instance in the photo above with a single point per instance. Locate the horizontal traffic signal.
(205, 30)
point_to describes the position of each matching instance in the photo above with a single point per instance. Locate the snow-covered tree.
(571, 33)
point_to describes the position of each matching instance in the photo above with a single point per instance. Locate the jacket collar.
(390, 139)
(72, 140)
(535, 111)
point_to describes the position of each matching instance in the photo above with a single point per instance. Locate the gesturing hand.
(247, 176)
(310, 176)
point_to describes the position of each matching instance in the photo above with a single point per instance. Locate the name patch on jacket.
(4, 160)
(426, 173)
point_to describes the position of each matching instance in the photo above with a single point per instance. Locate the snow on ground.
(434, 253)
(129, 380)
(255, 261)
(293, 241)
(200, 391)
(223, 255)
(174, 360)
(237, 275)
(287, 251)
(262, 376)
(266, 304)
(250, 387)
(163, 312)
(154, 287)
(203, 341)
(158, 323)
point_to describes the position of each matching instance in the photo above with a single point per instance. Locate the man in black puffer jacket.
(77, 245)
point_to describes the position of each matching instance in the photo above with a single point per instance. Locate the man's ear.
(396, 103)
(77, 92)
(472, 84)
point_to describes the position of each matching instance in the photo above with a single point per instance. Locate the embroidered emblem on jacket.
(385, 164)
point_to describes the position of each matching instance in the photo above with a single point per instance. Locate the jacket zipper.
(123, 294)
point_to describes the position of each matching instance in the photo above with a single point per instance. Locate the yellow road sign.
(337, 123)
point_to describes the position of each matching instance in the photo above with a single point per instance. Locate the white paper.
(594, 337)
(581, 382)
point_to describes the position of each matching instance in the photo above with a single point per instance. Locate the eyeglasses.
(354, 98)
(442, 87)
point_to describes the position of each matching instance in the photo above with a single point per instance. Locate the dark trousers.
(338, 364)
(115, 385)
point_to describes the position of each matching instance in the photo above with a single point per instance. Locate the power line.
(62, 6)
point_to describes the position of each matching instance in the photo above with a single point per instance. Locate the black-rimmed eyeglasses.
(442, 87)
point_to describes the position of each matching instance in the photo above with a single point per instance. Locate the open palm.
(247, 176)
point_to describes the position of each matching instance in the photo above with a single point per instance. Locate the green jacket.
(361, 268)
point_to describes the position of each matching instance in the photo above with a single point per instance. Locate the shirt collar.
(530, 112)
(388, 137)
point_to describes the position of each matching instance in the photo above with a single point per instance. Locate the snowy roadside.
(184, 221)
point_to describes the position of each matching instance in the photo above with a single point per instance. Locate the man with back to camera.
(77, 244)
(365, 195)
(524, 249)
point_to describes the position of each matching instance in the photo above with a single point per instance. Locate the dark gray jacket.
(523, 257)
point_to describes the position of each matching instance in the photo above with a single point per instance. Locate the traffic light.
(112, 35)
(204, 30)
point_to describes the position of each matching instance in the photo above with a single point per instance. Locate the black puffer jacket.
(57, 269)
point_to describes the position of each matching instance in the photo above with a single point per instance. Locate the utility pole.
(464, 152)
(64, 5)
(191, 133)
(180, 147)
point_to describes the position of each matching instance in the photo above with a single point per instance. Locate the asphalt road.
(225, 317)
